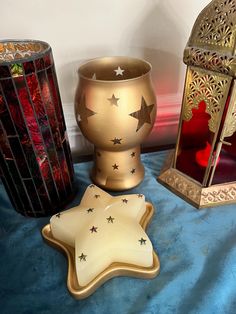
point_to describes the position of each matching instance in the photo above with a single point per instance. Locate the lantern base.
(193, 192)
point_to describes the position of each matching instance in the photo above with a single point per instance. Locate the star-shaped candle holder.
(107, 241)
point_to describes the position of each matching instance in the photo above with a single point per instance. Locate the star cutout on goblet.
(143, 115)
(116, 141)
(113, 100)
(84, 112)
(121, 238)
(115, 167)
(119, 71)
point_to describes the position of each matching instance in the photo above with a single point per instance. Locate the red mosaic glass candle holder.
(35, 159)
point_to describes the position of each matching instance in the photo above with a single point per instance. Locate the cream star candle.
(103, 230)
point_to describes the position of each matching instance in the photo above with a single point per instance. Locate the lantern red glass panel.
(203, 168)
(195, 144)
(35, 160)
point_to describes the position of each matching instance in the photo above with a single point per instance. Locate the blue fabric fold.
(197, 250)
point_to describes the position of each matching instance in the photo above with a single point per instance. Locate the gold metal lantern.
(115, 107)
(203, 168)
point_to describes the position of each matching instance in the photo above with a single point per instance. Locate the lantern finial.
(212, 44)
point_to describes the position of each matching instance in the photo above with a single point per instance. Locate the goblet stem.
(117, 170)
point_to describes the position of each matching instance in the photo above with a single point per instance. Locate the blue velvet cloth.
(197, 250)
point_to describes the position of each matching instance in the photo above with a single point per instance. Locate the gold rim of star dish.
(114, 270)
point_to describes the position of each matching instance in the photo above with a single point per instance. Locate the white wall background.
(77, 30)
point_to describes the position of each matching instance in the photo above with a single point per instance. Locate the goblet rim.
(86, 63)
(35, 55)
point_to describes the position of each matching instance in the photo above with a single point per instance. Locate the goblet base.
(117, 171)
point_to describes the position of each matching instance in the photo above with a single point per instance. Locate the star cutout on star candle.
(58, 215)
(143, 115)
(84, 112)
(142, 241)
(97, 195)
(133, 155)
(113, 100)
(125, 200)
(82, 257)
(94, 229)
(117, 141)
(90, 210)
(115, 167)
(133, 171)
(113, 224)
(119, 71)
(110, 219)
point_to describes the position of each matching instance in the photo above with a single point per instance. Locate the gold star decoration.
(117, 141)
(143, 115)
(119, 71)
(113, 100)
(84, 112)
(118, 239)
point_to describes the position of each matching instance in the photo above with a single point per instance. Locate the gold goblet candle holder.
(115, 108)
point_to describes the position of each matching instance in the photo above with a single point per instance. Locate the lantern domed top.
(212, 44)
